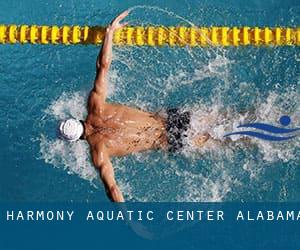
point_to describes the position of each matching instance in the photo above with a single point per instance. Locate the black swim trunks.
(177, 125)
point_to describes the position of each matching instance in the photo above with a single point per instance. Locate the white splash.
(68, 105)
(217, 121)
(200, 188)
(72, 157)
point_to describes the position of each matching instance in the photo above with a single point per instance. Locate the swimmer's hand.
(115, 24)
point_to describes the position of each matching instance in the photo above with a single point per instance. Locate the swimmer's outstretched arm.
(105, 56)
(103, 164)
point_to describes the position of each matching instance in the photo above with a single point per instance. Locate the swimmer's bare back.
(123, 130)
(113, 129)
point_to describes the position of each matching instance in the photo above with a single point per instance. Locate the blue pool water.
(42, 84)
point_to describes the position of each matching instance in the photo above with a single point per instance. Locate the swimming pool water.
(42, 84)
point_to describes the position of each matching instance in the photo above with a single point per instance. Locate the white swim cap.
(70, 130)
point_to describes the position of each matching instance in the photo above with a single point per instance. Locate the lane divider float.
(152, 35)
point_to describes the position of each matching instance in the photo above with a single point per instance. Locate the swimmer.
(114, 130)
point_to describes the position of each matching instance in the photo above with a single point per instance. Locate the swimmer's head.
(70, 130)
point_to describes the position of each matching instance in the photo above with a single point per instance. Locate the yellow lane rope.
(152, 35)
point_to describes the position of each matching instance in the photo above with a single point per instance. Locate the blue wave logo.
(279, 133)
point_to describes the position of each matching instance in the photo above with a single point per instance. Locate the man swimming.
(117, 130)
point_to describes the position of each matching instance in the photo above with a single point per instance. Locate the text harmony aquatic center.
(170, 215)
